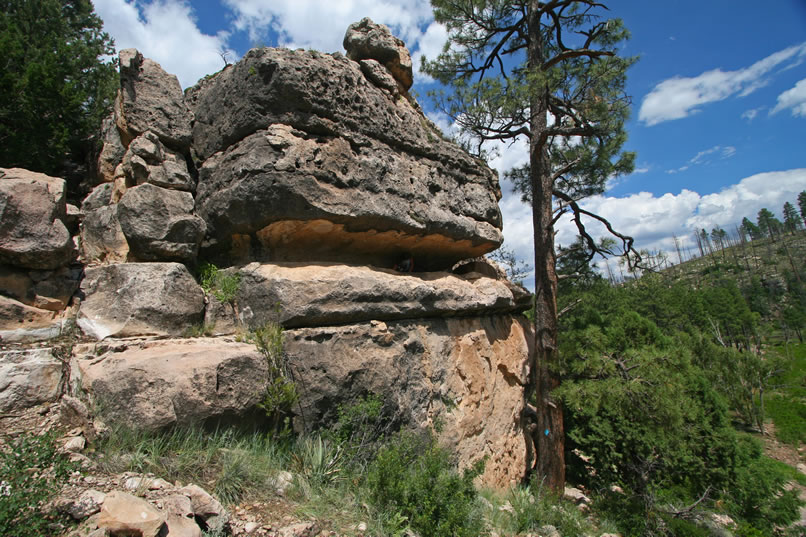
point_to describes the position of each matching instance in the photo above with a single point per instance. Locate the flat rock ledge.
(305, 294)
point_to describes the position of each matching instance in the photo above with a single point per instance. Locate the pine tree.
(55, 86)
(768, 224)
(791, 218)
(802, 205)
(750, 229)
(549, 73)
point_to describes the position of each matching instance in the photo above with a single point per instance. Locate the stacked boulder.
(316, 182)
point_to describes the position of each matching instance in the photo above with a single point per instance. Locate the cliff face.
(316, 183)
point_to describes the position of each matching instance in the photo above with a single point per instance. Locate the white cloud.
(794, 98)
(165, 31)
(321, 25)
(653, 221)
(679, 97)
(430, 45)
(751, 114)
(703, 157)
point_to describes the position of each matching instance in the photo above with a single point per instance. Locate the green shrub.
(317, 460)
(415, 478)
(525, 509)
(223, 286)
(31, 472)
(281, 391)
(362, 427)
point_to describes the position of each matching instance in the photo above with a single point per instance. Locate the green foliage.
(232, 461)
(786, 407)
(281, 391)
(31, 472)
(55, 86)
(362, 428)
(223, 286)
(652, 370)
(317, 460)
(525, 509)
(757, 494)
(414, 478)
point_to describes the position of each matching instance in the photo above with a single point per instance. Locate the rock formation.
(307, 178)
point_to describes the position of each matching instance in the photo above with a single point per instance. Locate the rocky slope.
(316, 182)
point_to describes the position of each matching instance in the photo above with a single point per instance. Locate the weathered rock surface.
(22, 323)
(469, 373)
(206, 507)
(147, 160)
(100, 196)
(368, 40)
(32, 212)
(158, 224)
(149, 385)
(44, 289)
(296, 295)
(139, 299)
(124, 514)
(28, 378)
(283, 195)
(151, 99)
(112, 150)
(102, 238)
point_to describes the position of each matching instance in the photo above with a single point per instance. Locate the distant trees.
(750, 229)
(802, 205)
(768, 224)
(55, 86)
(792, 220)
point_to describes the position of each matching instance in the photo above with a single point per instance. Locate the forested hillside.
(674, 381)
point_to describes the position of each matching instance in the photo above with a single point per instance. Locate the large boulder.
(153, 384)
(124, 514)
(366, 40)
(295, 139)
(296, 295)
(150, 99)
(468, 374)
(159, 225)
(289, 196)
(132, 299)
(28, 378)
(32, 213)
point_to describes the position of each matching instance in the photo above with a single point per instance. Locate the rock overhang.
(293, 136)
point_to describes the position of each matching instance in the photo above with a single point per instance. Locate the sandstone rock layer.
(297, 294)
(133, 299)
(150, 385)
(470, 374)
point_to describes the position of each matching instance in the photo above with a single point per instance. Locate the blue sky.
(719, 95)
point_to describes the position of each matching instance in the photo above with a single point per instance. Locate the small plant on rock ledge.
(281, 392)
(223, 286)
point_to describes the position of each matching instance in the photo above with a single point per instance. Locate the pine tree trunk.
(550, 435)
